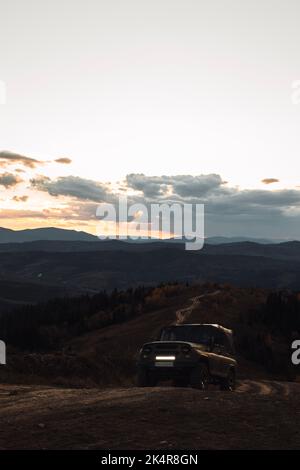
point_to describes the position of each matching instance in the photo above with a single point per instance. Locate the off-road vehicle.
(189, 354)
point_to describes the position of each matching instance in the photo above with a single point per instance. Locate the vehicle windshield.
(192, 334)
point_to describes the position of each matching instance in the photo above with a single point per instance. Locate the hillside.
(59, 234)
(14, 293)
(94, 341)
(47, 233)
(286, 250)
(121, 265)
(79, 392)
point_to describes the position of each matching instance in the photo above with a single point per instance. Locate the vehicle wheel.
(229, 383)
(199, 377)
(144, 379)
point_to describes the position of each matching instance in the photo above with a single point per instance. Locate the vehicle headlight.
(186, 349)
(146, 351)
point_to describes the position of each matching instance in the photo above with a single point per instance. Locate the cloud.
(229, 210)
(180, 185)
(7, 158)
(197, 186)
(282, 198)
(70, 211)
(63, 160)
(206, 189)
(210, 190)
(270, 180)
(74, 187)
(151, 186)
(20, 198)
(9, 180)
(21, 214)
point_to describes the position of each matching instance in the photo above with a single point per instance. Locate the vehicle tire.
(144, 379)
(229, 383)
(199, 377)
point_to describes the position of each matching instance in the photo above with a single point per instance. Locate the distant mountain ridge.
(226, 240)
(251, 265)
(48, 233)
(53, 268)
(59, 234)
(286, 250)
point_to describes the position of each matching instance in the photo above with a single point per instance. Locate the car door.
(214, 354)
(221, 351)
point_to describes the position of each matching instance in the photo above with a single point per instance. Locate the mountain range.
(48, 233)
(42, 264)
(59, 234)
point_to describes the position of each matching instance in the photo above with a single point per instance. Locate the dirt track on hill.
(259, 415)
(182, 315)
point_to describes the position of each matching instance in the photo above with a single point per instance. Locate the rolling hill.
(59, 234)
(49, 233)
(43, 269)
(90, 267)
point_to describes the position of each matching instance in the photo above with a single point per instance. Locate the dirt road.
(182, 315)
(260, 415)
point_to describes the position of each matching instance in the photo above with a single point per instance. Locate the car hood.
(170, 344)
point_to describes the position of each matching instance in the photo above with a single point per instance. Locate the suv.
(189, 354)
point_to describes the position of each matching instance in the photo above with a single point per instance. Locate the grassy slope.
(106, 356)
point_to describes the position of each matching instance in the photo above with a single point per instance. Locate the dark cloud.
(270, 180)
(150, 186)
(7, 157)
(9, 180)
(212, 191)
(20, 198)
(197, 186)
(283, 198)
(73, 186)
(63, 160)
(206, 189)
(185, 186)
(228, 210)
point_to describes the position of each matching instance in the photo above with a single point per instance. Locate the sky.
(193, 101)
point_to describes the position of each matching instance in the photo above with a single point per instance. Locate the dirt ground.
(259, 415)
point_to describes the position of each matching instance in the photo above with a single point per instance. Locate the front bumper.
(178, 369)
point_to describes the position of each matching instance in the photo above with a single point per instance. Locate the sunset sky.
(188, 101)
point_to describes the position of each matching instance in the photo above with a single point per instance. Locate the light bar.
(165, 358)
